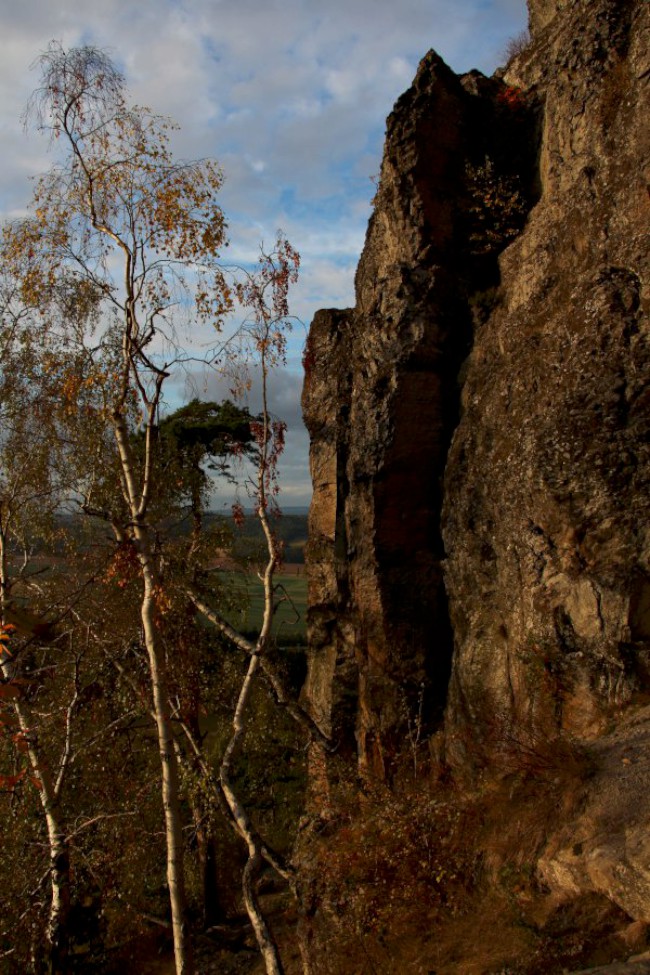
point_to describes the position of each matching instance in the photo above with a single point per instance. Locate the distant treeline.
(248, 539)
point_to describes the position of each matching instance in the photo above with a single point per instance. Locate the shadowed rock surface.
(641, 967)
(479, 555)
(546, 485)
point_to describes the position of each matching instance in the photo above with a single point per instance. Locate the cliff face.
(479, 556)
(545, 515)
(480, 420)
(382, 399)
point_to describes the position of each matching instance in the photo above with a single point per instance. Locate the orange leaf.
(11, 781)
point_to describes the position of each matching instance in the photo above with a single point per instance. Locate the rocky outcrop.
(479, 556)
(381, 402)
(546, 506)
(498, 345)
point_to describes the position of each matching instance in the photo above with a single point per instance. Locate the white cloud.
(290, 95)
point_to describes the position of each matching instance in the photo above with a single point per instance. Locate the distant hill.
(248, 541)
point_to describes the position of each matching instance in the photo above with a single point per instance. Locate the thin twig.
(283, 695)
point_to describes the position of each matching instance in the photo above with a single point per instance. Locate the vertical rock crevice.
(382, 400)
(481, 542)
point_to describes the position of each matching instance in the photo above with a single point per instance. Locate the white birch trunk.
(57, 927)
(160, 700)
(265, 941)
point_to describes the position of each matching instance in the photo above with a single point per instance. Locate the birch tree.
(134, 239)
(45, 671)
(117, 217)
(31, 486)
(264, 295)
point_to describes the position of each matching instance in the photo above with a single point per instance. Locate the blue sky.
(290, 96)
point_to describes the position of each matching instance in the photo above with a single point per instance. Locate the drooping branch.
(271, 856)
(265, 941)
(282, 693)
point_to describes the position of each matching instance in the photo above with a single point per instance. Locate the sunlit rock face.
(479, 554)
(480, 421)
(498, 346)
(379, 442)
(545, 517)
(382, 399)
(542, 12)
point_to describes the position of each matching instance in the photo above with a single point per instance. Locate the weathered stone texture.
(381, 402)
(605, 848)
(480, 424)
(375, 408)
(546, 491)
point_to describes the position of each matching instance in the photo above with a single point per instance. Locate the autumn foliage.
(108, 279)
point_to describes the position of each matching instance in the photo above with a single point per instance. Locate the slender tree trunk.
(266, 944)
(58, 936)
(160, 697)
(170, 785)
(58, 928)
(58, 933)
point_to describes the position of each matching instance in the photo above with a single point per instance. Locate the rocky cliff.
(545, 514)
(479, 555)
(383, 397)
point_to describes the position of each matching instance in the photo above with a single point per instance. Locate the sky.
(290, 96)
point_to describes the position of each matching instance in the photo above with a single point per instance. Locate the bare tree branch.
(283, 695)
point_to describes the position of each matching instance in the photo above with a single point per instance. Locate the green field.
(290, 617)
